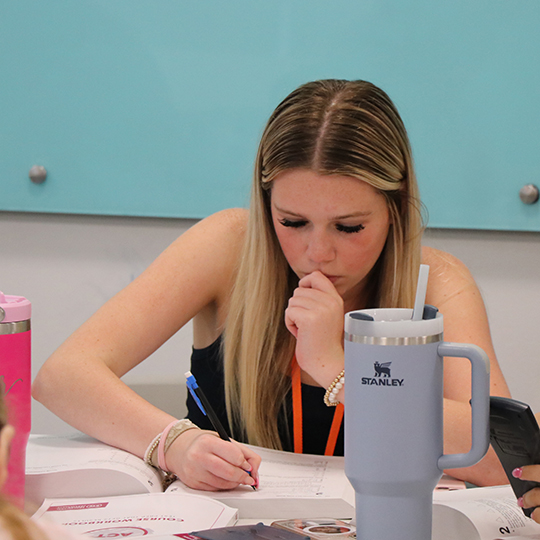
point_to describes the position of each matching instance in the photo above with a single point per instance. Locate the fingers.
(215, 473)
(212, 464)
(290, 324)
(304, 305)
(252, 462)
(536, 515)
(317, 280)
(314, 292)
(527, 472)
(314, 316)
(531, 499)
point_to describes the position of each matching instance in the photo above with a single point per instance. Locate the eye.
(349, 228)
(293, 224)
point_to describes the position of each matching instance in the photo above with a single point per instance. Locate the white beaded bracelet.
(330, 397)
(174, 431)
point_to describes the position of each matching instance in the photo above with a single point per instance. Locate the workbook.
(290, 485)
(489, 513)
(149, 514)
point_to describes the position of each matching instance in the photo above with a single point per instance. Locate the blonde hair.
(331, 127)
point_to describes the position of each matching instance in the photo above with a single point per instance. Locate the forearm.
(457, 440)
(88, 396)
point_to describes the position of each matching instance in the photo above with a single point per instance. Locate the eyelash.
(341, 228)
(349, 228)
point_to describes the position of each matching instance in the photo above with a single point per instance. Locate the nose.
(320, 248)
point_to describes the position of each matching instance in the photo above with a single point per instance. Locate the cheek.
(286, 241)
(289, 245)
(364, 253)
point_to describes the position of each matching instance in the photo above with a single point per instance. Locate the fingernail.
(516, 473)
(520, 502)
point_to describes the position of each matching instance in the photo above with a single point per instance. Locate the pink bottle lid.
(14, 308)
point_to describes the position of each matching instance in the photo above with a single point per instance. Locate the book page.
(137, 515)
(79, 466)
(289, 475)
(493, 511)
(290, 485)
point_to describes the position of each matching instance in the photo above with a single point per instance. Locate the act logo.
(382, 376)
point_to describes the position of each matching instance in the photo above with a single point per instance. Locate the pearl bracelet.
(171, 433)
(330, 397)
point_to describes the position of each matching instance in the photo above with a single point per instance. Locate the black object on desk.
(248, 532)
(515, 437)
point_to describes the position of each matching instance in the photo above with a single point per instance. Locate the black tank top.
(207, 367)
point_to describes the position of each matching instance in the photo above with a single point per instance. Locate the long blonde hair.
(332, 127)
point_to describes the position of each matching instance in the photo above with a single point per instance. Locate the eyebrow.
(335, 218)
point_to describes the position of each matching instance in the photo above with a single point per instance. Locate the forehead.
(301, 190)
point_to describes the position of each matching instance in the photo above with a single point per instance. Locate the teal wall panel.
(155, 108)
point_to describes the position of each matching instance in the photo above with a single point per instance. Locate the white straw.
(421, 289)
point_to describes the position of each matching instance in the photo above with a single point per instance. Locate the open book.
(489, 513)
(291, 485)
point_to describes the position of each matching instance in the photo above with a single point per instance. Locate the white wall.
(67, 266)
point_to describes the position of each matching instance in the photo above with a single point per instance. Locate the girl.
(334, 225)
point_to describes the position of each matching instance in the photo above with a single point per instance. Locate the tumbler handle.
(479, 404)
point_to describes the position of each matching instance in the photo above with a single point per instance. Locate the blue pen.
(205, 407)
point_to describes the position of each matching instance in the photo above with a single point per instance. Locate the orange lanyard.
(297, 415)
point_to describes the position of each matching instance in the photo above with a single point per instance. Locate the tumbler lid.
(14, 308)
(391, 323)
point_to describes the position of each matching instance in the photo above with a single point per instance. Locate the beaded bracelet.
(150, 450)
(169, 435)
(330, 397)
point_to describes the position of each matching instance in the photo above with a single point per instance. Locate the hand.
(204, 461)
(314, 317)
(531, 499)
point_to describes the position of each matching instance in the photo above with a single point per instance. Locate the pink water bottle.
(15, 374)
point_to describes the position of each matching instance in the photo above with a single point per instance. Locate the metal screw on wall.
(529, 194)
(37, 174)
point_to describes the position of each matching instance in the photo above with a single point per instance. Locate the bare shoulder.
(230, 223)
(220, 235)
(197, 270)
(231, 217)
(209, 254)
(448, 275)
(443, 262)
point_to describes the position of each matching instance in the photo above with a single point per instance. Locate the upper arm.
(454, 292)
(194, 273)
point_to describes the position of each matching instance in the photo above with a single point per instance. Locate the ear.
(6, 435)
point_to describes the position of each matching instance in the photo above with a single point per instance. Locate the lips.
(331, 277)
